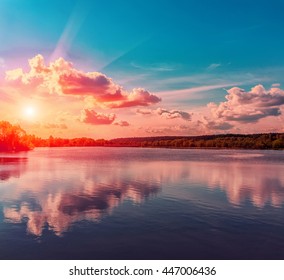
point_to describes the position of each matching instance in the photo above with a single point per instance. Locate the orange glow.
(29, 112)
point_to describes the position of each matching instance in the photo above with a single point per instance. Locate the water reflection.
(55, 200)
(11, 167)
(53, 192)
(261, 184)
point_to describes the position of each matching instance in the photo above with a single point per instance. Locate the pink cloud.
(55, 125)
(122, 123)
(248, 107)
(173, 114)
(60, 77)
(171, 130)
(165, 113)
(138, 97)
(95, 84)
(210, 125)
(144, 112)
(92, 117)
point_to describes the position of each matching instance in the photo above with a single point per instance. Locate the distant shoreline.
(13, 139)
(266, 141)
(170, 148)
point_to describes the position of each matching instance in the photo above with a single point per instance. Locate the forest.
(13, 138)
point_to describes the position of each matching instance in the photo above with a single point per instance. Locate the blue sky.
(186, 36)
(163, 46)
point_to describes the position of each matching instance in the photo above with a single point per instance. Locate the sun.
(29, 112)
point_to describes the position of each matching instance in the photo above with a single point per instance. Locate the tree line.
(225, 141)
(13, 138)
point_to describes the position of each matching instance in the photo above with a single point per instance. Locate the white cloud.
(213, 66)
(248, 107)
(160, 67)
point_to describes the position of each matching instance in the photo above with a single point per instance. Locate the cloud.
(168, 114)
(62, 116)
(170, 130)
(249, 107)
(60, 77)
(144, 111)
(190, 93)
(214, 124)
(173, 114)
(213, 66)
(55, 126)
(160, 67)
(42, 125)
(122, 123)
(138, 97)
(92, 117)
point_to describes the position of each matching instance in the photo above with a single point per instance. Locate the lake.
(134, 203)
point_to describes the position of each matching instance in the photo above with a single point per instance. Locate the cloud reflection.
(89, 198)
(54, 193)
(261, 184)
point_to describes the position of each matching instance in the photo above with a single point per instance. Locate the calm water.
(129, 203)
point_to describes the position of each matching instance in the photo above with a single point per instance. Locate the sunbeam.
(71, 30)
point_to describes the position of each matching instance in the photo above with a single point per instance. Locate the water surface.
(131, 203)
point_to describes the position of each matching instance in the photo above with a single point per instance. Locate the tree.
(13, 138)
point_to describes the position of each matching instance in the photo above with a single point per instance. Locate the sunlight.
(29, 112)
(71, 29)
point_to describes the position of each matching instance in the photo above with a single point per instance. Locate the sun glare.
(29, 112)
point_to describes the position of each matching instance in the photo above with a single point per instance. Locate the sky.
(108, 69)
